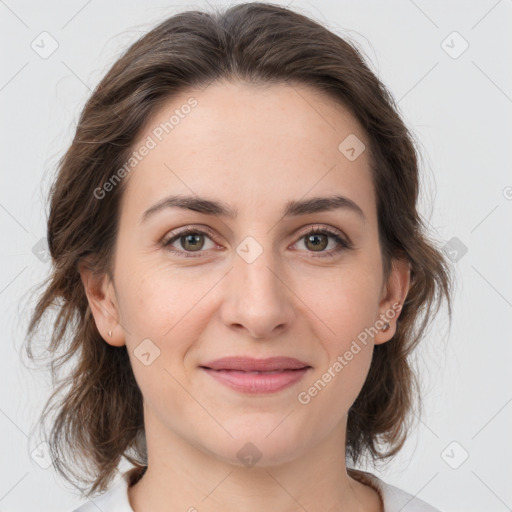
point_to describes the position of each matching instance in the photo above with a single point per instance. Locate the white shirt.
(394, 499)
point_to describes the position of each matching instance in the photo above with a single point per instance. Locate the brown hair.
(99, 418)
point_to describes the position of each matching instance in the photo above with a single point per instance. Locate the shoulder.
(113, 500)
(393, 498)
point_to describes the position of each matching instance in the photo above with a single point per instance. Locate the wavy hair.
(96, 406)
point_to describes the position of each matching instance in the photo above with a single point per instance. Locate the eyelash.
(342, 243)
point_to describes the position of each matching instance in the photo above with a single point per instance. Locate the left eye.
(315, 240)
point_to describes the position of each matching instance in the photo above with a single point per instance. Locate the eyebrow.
(220, 209)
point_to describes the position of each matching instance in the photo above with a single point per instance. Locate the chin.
(260, 445)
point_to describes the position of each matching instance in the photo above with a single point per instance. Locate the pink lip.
(257, 383)
(250, 364)
(234, 373)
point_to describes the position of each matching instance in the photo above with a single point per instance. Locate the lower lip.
(257, 382)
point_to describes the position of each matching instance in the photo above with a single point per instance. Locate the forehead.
(269, 144)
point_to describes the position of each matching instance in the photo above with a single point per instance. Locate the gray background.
(459, 106)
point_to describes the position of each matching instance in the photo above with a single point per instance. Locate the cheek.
(159, 301)
(348, 347)
(343, 299)
(343, 305)
(164, 314)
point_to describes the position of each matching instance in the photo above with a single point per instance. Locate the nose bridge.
(258, 276)
(258, 298)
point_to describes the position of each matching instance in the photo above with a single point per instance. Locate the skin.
(254, 149)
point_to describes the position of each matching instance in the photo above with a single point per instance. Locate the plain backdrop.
(447, 64)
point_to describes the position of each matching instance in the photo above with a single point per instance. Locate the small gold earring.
(110, 333)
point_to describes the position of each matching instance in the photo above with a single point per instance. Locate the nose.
(257, 298)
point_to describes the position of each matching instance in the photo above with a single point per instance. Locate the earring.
(110, 333)
(386, 326)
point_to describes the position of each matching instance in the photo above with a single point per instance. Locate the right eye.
(190, 239)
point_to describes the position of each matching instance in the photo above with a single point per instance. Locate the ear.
(102, 301)
(392, 299)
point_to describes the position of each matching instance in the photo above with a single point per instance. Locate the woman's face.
(248, 281)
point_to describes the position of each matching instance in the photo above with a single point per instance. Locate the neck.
(180, 476)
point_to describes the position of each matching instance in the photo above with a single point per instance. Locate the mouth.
(252, 373)
(255, 376)
(251, 364)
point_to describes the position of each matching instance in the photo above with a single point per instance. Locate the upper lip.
(250, 364)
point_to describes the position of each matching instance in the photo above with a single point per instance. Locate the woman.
(237, 251)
